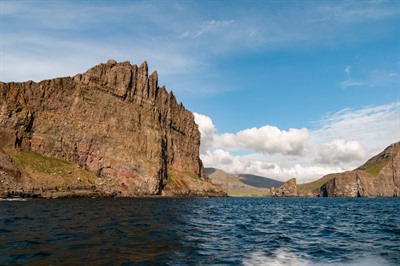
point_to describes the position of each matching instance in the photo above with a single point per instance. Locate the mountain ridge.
(242, 184)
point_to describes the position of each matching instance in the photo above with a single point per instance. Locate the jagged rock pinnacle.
(112, 121)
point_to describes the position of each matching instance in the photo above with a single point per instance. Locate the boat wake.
(284, 257)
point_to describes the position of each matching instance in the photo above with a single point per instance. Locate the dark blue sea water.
(214, 231)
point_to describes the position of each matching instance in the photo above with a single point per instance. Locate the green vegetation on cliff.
(314, 186)
(374, 169)
(52, 172)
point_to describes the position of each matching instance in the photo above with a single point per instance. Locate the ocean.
(201, 231)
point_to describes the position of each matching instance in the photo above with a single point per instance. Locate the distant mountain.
(259, 181)
(378, 177)
(242, 184)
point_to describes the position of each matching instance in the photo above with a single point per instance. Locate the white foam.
(13, 199)
(284, 257)
(280, 258)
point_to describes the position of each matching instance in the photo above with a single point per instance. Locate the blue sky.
(280, 88)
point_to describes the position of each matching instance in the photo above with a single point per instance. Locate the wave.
(13, 199)
(284, 257)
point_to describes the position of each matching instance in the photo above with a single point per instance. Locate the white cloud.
(207, 131)
(221, 156)
(343, 141)
(259, 164)
(348, 82)
(383, 76)
(207, 27)
(351, 12)
(374, 78)
(270, 139)
(211, 26)
(266, 139)
(374, 127)
(340, 151)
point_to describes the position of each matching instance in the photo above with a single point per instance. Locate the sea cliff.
(111, 131)
(378, 177)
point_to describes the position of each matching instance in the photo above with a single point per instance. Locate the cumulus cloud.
(340, 151)
(266, 139)
(342, 141)
(259, 164)
(207, 131)
(221, 157)
(270, 139)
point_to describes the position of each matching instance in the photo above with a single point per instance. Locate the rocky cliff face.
(379, 176)
(288, 189)
(112, 122)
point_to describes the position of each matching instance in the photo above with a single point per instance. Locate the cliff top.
(375, 164)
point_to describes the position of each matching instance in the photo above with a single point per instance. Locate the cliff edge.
(378, 177)
(108, 132)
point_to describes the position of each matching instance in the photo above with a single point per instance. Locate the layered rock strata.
(378, 177)
(113, 122)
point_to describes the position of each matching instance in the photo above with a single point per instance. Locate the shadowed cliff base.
(108, 132)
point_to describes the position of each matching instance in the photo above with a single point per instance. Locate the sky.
(280, 89)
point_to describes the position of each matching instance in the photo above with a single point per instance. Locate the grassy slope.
(52, 173)
(374, 169)
(373, 166)
(234, 186)
(313, 186)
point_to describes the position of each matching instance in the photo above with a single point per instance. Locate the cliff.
(288, 189)
(110, 131)
(378, 177)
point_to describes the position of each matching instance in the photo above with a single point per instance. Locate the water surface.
(214, 231)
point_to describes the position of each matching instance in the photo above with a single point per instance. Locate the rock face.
(288, 189)
(378, 177)
(113, 122)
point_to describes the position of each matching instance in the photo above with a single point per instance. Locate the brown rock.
(378, 177)
(113, 121)
(288, 189)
